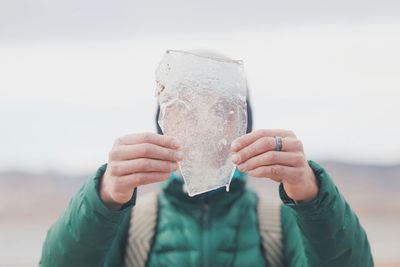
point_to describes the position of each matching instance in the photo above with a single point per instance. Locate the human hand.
(255, 154)
(135, 160)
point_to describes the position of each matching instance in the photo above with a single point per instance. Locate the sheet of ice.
(203, 105)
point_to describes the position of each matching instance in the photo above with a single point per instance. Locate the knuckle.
(299, 145)
(273, 157)
(142, 164)
(132, 180)
(111, 154)
(168, 166)
(241, 144)
(285, 132)
(264, 143)
(149, 178)
(291, 133)
(144, 150)
(243, 155)
(250, 151)
(247, 166)
(299, 159)
(139, 179)
(270, 143)
(167, 140)
(150, 165)
(275, 170)
(147, 137)
(238, 143)
(263, 132)
(118, 141)
(115, 169)
(114, 153)
(264, 171)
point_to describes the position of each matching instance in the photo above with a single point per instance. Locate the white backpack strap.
(141, 231)
(269, 221)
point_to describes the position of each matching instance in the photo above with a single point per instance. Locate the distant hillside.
(368, 188)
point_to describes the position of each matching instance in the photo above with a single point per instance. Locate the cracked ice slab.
(203, 104)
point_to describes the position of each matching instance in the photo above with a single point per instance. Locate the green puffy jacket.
(321, 233)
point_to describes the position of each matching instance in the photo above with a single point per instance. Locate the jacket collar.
(173, 189)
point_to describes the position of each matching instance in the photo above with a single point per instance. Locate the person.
(217, 228)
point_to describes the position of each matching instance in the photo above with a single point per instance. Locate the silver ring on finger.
(278, 143)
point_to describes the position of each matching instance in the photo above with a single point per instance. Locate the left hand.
(255, 154)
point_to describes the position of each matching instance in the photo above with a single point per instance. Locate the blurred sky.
(74, 75)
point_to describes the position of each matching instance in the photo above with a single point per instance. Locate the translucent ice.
(203, 105)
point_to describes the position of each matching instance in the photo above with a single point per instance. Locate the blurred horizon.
(87, 172)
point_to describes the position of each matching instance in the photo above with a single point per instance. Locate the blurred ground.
(30, 203)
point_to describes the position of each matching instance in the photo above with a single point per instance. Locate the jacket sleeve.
(325, 231)
(88, 233)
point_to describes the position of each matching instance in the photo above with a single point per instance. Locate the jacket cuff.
(319, 205)
(92, 197)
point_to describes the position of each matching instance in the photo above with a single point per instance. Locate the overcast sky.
(99, 19)
(74, 75)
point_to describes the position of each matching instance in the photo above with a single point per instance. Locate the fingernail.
(174, 166)
(242, 168)
(235, 158)
(175, 144)
(234, 146)
(179, 155)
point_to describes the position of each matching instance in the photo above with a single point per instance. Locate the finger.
(137, 179)
(275, 172)
(290, 159)
(145, 151)
(248, 139)
(151, 138)
(265, 144)
(121, 168)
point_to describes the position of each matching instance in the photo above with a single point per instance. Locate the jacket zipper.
(206, 235)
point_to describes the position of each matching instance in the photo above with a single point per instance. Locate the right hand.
(134, 160)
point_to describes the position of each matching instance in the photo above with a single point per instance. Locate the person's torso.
(217, 229)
